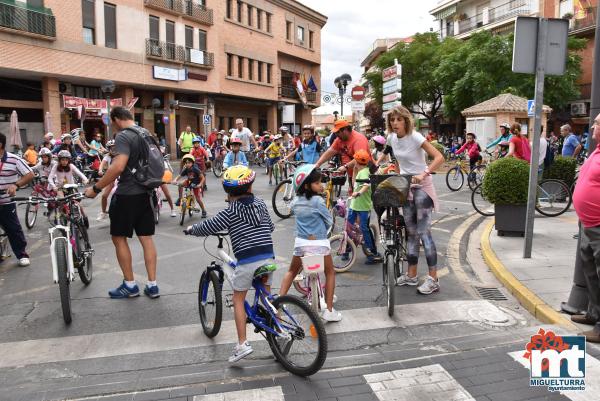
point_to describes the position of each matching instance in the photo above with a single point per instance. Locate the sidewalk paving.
(548, 274)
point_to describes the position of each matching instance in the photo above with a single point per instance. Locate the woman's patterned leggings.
(417, 215)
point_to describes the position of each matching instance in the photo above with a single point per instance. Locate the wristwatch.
(96, 189)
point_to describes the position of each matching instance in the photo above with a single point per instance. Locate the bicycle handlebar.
(74, 196)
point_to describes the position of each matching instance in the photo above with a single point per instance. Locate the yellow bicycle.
(455, 177)
(188, 203)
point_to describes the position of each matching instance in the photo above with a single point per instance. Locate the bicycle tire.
(288, 196)
(183, 210)
(85, 268)
(210, 279)
(389, 282)
(480, 203)
(31, 211)
(60, 248)
(314, 295)
(218, 168)
(561, 196)
(453, 174)
(316, 330)
(340, 264)
(476, 176)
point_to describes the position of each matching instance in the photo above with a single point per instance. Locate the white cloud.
(353, 26)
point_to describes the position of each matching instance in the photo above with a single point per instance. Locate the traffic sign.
(206, 119)
(358, 105)
(105, 119)
(531, 108)
(358, 93)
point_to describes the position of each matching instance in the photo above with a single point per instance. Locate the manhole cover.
(490, 293)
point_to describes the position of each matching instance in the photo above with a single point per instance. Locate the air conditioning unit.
(156, 51)
(578, 109)
(65, 88)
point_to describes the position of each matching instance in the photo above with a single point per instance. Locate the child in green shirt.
(361, 204)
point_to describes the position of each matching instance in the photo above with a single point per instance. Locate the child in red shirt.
(472, 149)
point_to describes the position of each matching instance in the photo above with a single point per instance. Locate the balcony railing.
(511, 9)
(289, 91)
(186, 8)
(588, 21)
(156, 49)
(27, 21)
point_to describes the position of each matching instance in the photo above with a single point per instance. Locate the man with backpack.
(137, 163)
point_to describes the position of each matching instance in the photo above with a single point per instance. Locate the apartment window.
(311, 39)
(201, 40)
(260, 71)
(189, 37)
(300, 34)
(229, 5)
(450, 28)
(269, 69)
(268, 22)
(88, 21)
(229, 65)
(250, 70)
(259, 14)
(170, 26)
(250, 12)
(288, 30)
(154, 28)
(240, 67)
(110, 25)
(239, 11)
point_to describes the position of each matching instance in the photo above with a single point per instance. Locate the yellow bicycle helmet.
(188, 157)
(237, 180)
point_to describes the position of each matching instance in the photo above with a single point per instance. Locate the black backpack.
(150, 166)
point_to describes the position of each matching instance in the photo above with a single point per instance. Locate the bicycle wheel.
(218, 168)
(476, 176)
(554, 198)
(304, 349)
(455, 179)
(60, 248)
(343, 260)
(83, 263)
(481, 205)
(183, 210)
(314, 294)
(210, 303)
(31, 211)
(283, 194)
(389, 282)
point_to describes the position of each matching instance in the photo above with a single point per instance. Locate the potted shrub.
(505, 184)
(563, 168)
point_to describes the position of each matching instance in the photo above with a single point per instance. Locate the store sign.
(169, 74)
(392, 86)
(392, 72)
(392, 97)
(72, 102)
(389, 106)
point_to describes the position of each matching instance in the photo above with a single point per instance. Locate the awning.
(444, 10)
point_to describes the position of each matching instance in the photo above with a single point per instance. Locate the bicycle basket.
(338, 179)
(389, 190)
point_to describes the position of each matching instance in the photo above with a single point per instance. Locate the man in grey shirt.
(130, 208)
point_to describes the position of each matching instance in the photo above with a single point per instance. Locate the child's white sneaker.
(240, 351)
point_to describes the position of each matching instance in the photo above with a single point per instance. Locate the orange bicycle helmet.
(362, 156)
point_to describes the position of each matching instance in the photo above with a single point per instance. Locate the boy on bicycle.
(249, 226)
(235, 157)
(195, 179)
(361, 204)
(273, 151)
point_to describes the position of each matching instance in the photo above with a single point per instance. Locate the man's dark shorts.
(131, 212)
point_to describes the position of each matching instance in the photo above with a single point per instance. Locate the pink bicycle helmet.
(379, 139)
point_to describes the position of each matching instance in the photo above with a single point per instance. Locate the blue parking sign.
(206, 119)
(531, 108)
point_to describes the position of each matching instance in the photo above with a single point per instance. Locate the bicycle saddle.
(265, 269)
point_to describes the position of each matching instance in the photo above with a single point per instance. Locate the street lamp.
(341, 83)
(107, 88)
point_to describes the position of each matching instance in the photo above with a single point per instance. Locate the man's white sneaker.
(173, 213)
(404, 279)
(429, 286)
(240, 351)
(331, 316)
(101, 216)
(23, 262)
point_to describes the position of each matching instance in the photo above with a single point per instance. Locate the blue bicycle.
(295, 333)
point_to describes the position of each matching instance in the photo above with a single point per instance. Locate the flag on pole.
(311, 84)
(304, 84)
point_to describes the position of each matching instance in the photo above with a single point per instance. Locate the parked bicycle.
(295, 333)
(553, 199)
(70, 246)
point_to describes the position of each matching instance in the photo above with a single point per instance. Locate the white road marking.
(426, 383)
(592, 377)
(444, 230)
(22, 353)
(259, 394)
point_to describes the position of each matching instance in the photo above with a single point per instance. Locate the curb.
(534, 304)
